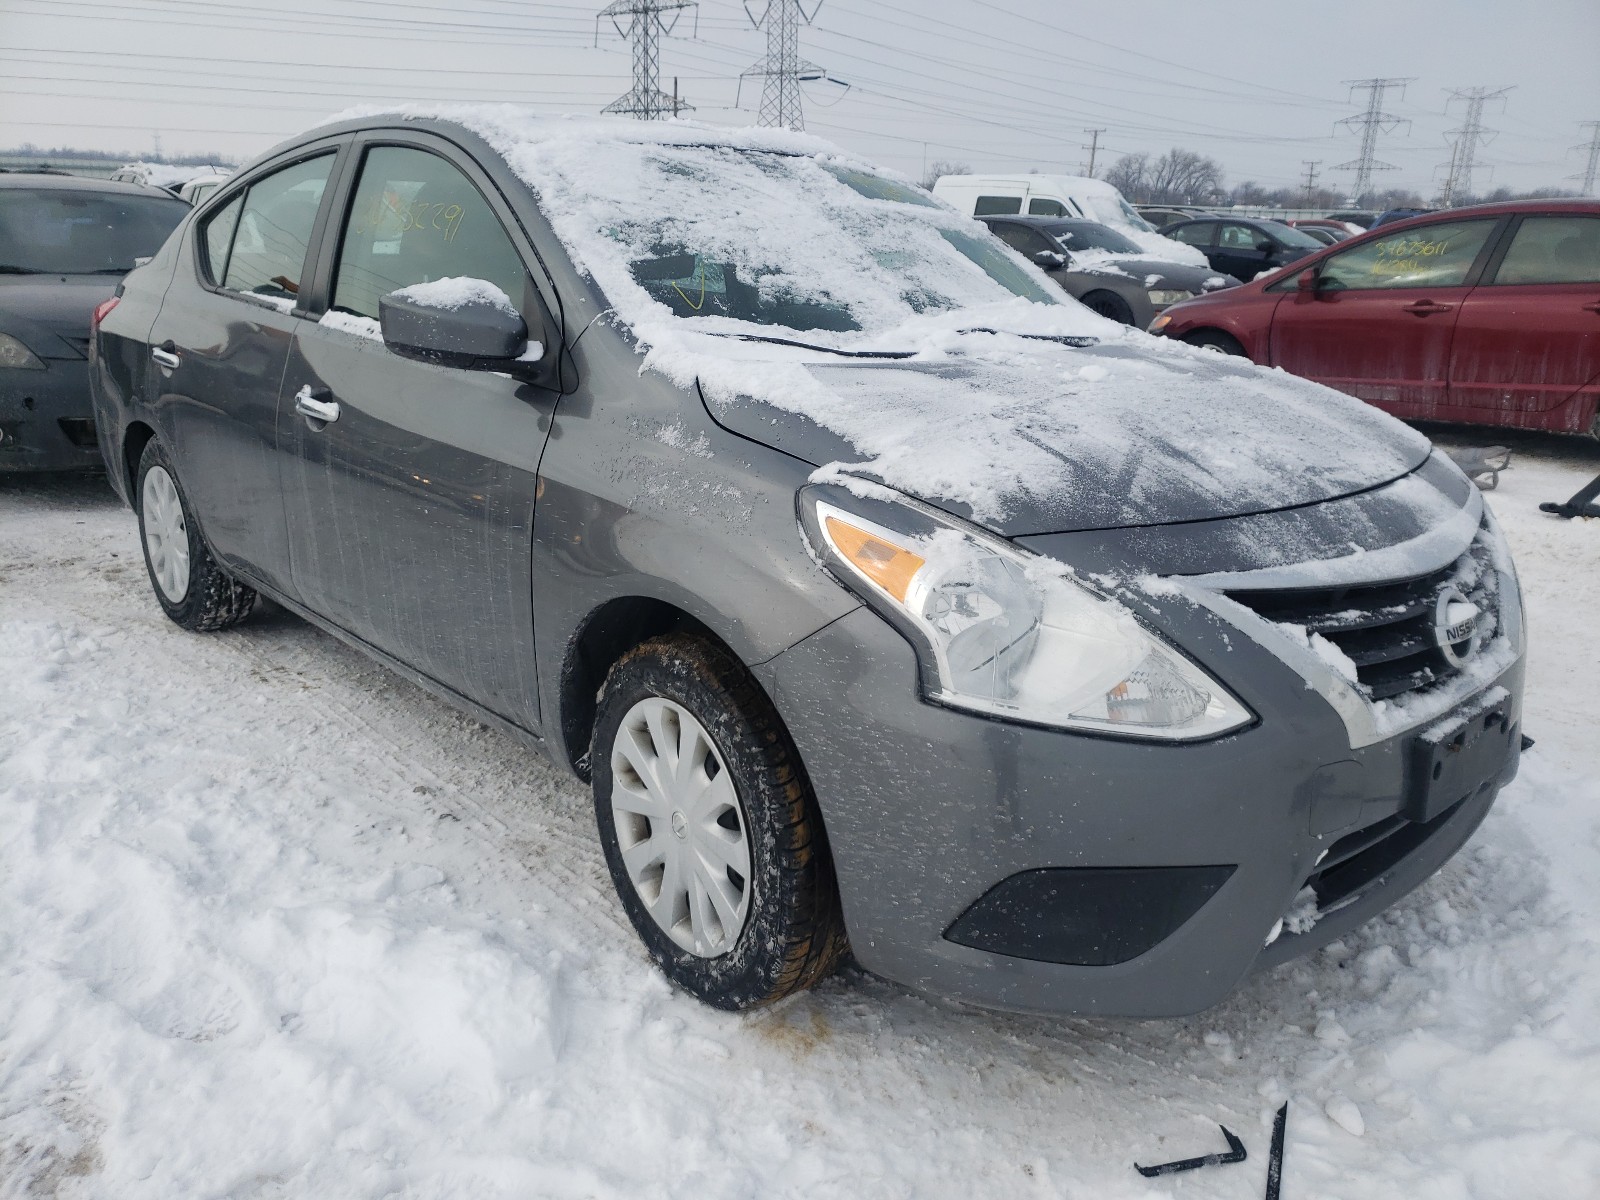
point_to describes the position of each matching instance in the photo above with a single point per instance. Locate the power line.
(1372, 122)
(646, 28)
(1464, 141)
(1592, 172)
(783, 68)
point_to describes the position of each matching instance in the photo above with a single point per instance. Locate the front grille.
(1387, 629)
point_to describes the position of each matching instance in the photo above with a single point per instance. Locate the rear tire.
(189, 585)
(1109, 305)
(1215, 339)
(695, 777)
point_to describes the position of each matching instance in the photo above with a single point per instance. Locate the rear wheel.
(1109, 305)
(191, 588)
(710, 828)
(1215, 339)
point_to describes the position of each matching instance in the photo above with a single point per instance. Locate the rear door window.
(268, 253)
(997, 206)
(1241, 237)
(1433, 256)
(1555, 249)
(416, 218)
(1199, 234)
(1028, 241)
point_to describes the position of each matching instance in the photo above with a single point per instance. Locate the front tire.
(710, 827)
(192, 589)
(1111, 306)
(1215, 339)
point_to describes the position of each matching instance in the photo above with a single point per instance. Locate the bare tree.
(940, 167)
(1177, 177)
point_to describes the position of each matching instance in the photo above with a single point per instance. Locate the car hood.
(1152, 273)
(1032, 438)
(58, 305)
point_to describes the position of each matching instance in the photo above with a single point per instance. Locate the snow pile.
(280, 925)
(455, 292)
(172, 176)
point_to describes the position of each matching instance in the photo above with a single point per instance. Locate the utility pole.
(1464, 141)
(645, 29)
(783, 68)
(1094, 145)
(1371, 123)
(1311, 165)
(1591, 173)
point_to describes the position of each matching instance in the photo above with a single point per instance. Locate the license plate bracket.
(1457, 760)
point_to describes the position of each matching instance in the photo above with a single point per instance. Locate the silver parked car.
(887, 599)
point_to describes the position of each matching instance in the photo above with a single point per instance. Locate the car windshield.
(62, 232)
(726, 238)
(1091, 235)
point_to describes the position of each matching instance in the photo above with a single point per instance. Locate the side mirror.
(1306, 281)
(456, 323)
(1050, 260)
(1266, 246)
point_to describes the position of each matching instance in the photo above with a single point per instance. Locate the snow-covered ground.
(274, 923)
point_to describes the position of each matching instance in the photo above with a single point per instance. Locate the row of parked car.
(1488, 315)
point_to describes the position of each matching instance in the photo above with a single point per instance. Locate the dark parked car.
(1109, 274)
(1487, 315)
(1243, 246)
(1161, 217)
(1390, 216)
(1325, 234)
(64, 242)
(878, 604)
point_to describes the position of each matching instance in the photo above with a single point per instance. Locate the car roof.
(1041, 222)
(77, 183)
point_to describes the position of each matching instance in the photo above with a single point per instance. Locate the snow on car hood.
(1029, 437)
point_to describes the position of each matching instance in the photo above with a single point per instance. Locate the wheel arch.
(134, 439)
(605, 635)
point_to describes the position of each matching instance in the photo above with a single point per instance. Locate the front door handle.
(315, 404)
(1426, 308)
(165, 356)
(1594, 308)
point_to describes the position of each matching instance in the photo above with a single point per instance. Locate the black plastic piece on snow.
(1235, 1154)
(1581, 505)
(1275, 1156)
(1528, 743)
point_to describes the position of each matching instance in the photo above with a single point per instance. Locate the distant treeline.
(48, 153)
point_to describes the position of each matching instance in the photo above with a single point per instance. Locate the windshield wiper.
(1061, 339)
(6, 269)
(778, 341)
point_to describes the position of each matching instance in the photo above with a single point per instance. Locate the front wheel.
(1111, 306)
(710, 828)
(1215, 340)
(192, 589)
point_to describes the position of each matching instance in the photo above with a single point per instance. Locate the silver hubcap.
(166, 536)
(680, 828)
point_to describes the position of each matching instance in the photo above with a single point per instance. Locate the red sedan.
(1487, 315)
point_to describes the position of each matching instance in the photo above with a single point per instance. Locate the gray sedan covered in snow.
(887, 600)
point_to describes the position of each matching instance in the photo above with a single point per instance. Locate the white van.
(1059, 196)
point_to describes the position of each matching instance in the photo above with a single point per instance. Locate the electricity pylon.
(1592, 171)
(1464, 141)
(645, 29)
(783, 68)
(1371, 123)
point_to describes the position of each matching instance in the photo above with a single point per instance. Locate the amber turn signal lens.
(886, 564)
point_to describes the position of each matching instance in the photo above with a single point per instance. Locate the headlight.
(1002, 631)
(1170, 297)
(17, 356)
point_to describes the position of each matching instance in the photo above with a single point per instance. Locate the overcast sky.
(1007, 84)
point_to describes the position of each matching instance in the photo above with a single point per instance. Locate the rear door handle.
(166, 356)
(316, 404)
(1426, 308)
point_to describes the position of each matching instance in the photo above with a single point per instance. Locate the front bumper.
(929, 809)
(47, 419)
